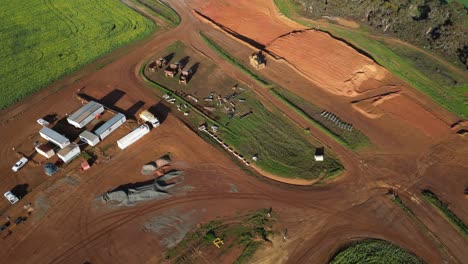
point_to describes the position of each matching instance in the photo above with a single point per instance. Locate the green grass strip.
(162, 10)
(444, 210)
(311, 120)
(233, 60)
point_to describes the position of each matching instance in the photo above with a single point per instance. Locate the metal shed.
(89, 138)
(110, 126)
(85, 114)
(69, 152)
(45, 150)
(54, 137)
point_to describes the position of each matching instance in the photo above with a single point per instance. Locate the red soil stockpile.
(244, 16)
(331, 64)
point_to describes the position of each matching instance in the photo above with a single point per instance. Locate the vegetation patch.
(353, 139)
(162, 10)
(430, 24)
(44, 40)
(241, 120)
(429, 66)
(281, 147)
(445, 211)
(374, 251)
(399, 60)
(420, 225)
(241, 236)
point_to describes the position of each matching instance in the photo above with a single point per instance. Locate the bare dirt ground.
(69, 226)
(330, 64)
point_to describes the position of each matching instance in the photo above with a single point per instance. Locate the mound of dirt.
(399, 105)
(240, 17)
(329, 63)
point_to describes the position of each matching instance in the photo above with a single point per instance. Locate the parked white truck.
(146, 116)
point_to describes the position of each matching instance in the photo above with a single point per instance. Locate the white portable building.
(110, 126)
(45, 150)
(54, 137)
(133, 136)
(85, 114)
(89, 138)
(69, 152)
(318, 157)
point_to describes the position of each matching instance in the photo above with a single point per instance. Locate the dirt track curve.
(76, 229)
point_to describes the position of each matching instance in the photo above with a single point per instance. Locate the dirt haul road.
(74, 228)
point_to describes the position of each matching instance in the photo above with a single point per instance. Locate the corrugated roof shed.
(84, 111)
(54, 136)
(109, 123)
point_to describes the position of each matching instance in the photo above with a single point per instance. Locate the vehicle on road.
(4, 226)
(18, 165)
(11, 197)
(42, 122)
(19, 220)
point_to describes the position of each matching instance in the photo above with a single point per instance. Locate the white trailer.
(89, 138)
(69, 152)
(54, 137)
(110, 126)
(85, 114)
(149, 117)
(133, 136)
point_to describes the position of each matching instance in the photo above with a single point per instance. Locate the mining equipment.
(185, 76)
(157, 64)
(172, 70)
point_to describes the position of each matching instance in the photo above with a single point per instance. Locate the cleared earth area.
(241, 120)
(45, 40)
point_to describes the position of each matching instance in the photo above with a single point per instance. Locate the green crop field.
(282, 147)
(374, 251)
(44, 40)
(431, 77)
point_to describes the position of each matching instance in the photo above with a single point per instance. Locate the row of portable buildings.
(79, 119)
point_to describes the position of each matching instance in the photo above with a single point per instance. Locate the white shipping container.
(133, 136)
(69, 152)
(110, 126)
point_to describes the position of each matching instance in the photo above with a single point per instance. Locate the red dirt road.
(75, 228)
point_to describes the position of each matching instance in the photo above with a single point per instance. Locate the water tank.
(50, 169)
